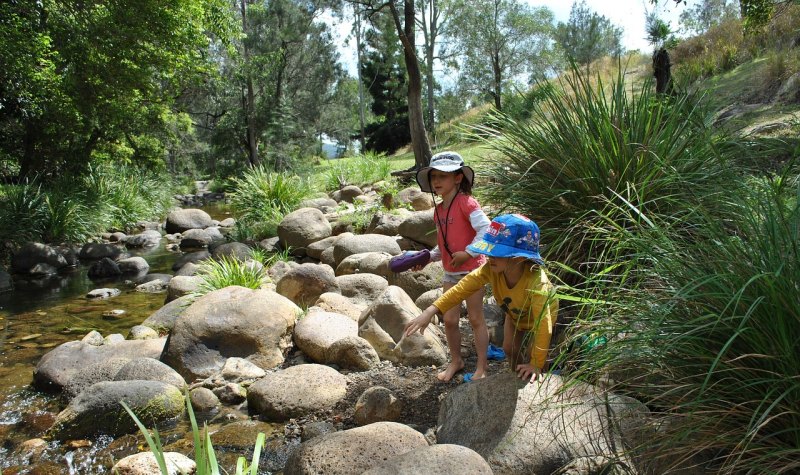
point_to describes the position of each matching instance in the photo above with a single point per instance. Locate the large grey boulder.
(97, 409)
(133, 265)
(148, 369)
(359, 243)
(182, 285)
(441, 459)
(315, 333)
(362, 288)
(383, 323)
(417, 283)
(96, 250)
(195, 257)
(296, 391)
(353, 450)
(338, 303)
(419, 227)
(58, 366)
(163, 319)
(541, 427)
(195, 238)
(32, 254)
(365, 263)
(386, 223)
(301, 227)
(85, 377)
(147, 238)
(324, 204)
(353, 353)
(252, 324)
(232, 251)
(377, 404)
(180, 220)
(305, 283)
(316, 248)
(105, 267)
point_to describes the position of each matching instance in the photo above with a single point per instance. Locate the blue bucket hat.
(510, 235)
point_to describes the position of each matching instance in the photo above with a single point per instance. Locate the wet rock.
(141, 332)
(33, 253)
(163, 319)
(105, 267)
(97, 409)
(149, 369)
(133, 265)
(58, 366)
(93, 251)
(296, 391)
(147, 238)
(354, 450)
(231, 393)
(181, 220)
(233, 321)
(203, 400)
(103, 293)
(145, 464)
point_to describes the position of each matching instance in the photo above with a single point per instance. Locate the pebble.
(113, 314)
(30, 337)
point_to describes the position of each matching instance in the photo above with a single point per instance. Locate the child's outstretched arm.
(422, 321)
(542, 334)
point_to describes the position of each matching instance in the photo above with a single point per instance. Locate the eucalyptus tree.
(433, 21)
(96, 79)
(707, 13)
(500, 42)
(588, 36)
(278, 77)
(406, 35)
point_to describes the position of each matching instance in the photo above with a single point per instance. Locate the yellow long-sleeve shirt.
(531, 304)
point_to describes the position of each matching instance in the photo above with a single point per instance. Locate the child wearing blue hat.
(520, 286)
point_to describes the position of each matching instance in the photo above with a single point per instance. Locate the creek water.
(38, 315)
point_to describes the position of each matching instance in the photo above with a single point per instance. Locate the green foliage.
(261, 198)
(73, 209)
(205, 457)
(587, 146)
(709, 341)
(363, 169)
(588, 36)
(223, 272)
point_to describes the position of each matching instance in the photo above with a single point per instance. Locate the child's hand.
(421, 322)
(460, 258)
(525, 371)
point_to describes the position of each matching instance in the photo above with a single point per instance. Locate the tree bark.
(249, 106)
(416, 120)
(361, 105)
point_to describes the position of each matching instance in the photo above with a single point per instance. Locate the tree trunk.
(661, 71)
(250, 100)
(416, 120)
(498, 81)
(359, 46)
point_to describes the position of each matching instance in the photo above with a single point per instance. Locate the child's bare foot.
(453, 368)
(479, 374)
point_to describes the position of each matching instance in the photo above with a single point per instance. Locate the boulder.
(301, 227)
(365, 263)
(296, 391)
(232, 250)
(353, 353)
(97, 409)
(417, 283)
(324, 204)
(195, 257)
(182, 285)
(543, 426)
(419, 227)
(359, 243)
(362, 288)
(33, 253)
(181, 220)
(353, 450)
(195, 238)
(94, 251)
(104, 268)
(141, 332)
(149, 238)
(418, 199)
(252, 324)
(382, 324)
(85, 377)
(315, 333)
(338, 303)
(316, 248)
(148, 369)
(305, 283)
(441, 459)
(377, 404)
(133, 265)
(144, 463)
(58, 366)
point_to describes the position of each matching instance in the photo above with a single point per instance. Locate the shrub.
(361, 170)
(223, 272)
(709, 343)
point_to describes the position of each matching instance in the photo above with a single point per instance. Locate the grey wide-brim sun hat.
(445, 162)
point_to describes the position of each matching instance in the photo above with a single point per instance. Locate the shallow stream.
(38, 315)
